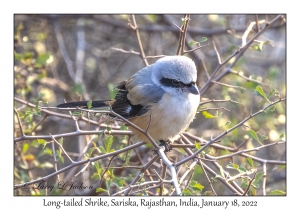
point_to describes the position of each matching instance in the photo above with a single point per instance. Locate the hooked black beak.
(193, 89)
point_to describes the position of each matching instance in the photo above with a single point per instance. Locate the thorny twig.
(227, 131)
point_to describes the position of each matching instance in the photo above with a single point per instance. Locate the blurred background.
(82, 57)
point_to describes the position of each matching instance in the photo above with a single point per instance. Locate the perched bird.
(166, 90)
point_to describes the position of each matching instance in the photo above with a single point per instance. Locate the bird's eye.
(190, 84)
(173, 83)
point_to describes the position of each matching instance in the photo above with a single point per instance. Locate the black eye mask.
(174, 83)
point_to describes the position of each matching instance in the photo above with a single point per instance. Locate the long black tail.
(83, 104)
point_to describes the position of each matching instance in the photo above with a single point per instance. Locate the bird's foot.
(166, 144)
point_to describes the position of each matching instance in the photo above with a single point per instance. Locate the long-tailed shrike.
(166, 90)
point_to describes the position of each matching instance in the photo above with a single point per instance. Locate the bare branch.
(257, 23)
(50, 113)
(45, 178)
(106, 169)
(142, 184)
(244, 37)
(208, 179)
(192, 50)
(61, 148)
(217, 53)
(226, 85)
(180, 49)
(20, 124)
(39, 123)
(138, 176)
(222, 179)
(135, 27)
(207, 109)
(55, 160)
(80, 54)
(224, 133)
(213, 100)
(172, 169)
(247, 150)
(171, 28)
(125, 51)
(190, 168)
(63, 50)
(76, 133)
(248, 188)
(264, 178)
(136, 53)
(241, 175)
(237, 54)
(83, 169)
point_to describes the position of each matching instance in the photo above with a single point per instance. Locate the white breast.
(169, 117)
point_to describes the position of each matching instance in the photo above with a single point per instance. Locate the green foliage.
(127, 157)
(108, 142)
(59, 155)
(25, 148)
(260, 92)
(197, 145)
(183, 21)
(89, 104)
(198, 173)
(45, 151)
(250, 162)
(109, 177)
(240, 168)
(259, 46)
(203, 39)
(77, 88)
(97, 174)
(90, 151)
(252, 134)
(112, 91)
(187, 192)
(257, 179)
(42, 60)
(273, 72)
(194, 188)
(76, 113)
(233, 166)
(277, 192)
(225, 126)
(30, 113)
(100, 190)
(206, 114)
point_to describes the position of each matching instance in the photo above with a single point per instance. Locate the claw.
(166, 144)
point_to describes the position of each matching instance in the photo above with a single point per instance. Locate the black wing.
(122, 105)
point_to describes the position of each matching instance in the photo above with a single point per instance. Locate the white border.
(154, 6)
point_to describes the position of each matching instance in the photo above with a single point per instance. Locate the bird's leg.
(166, 144)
